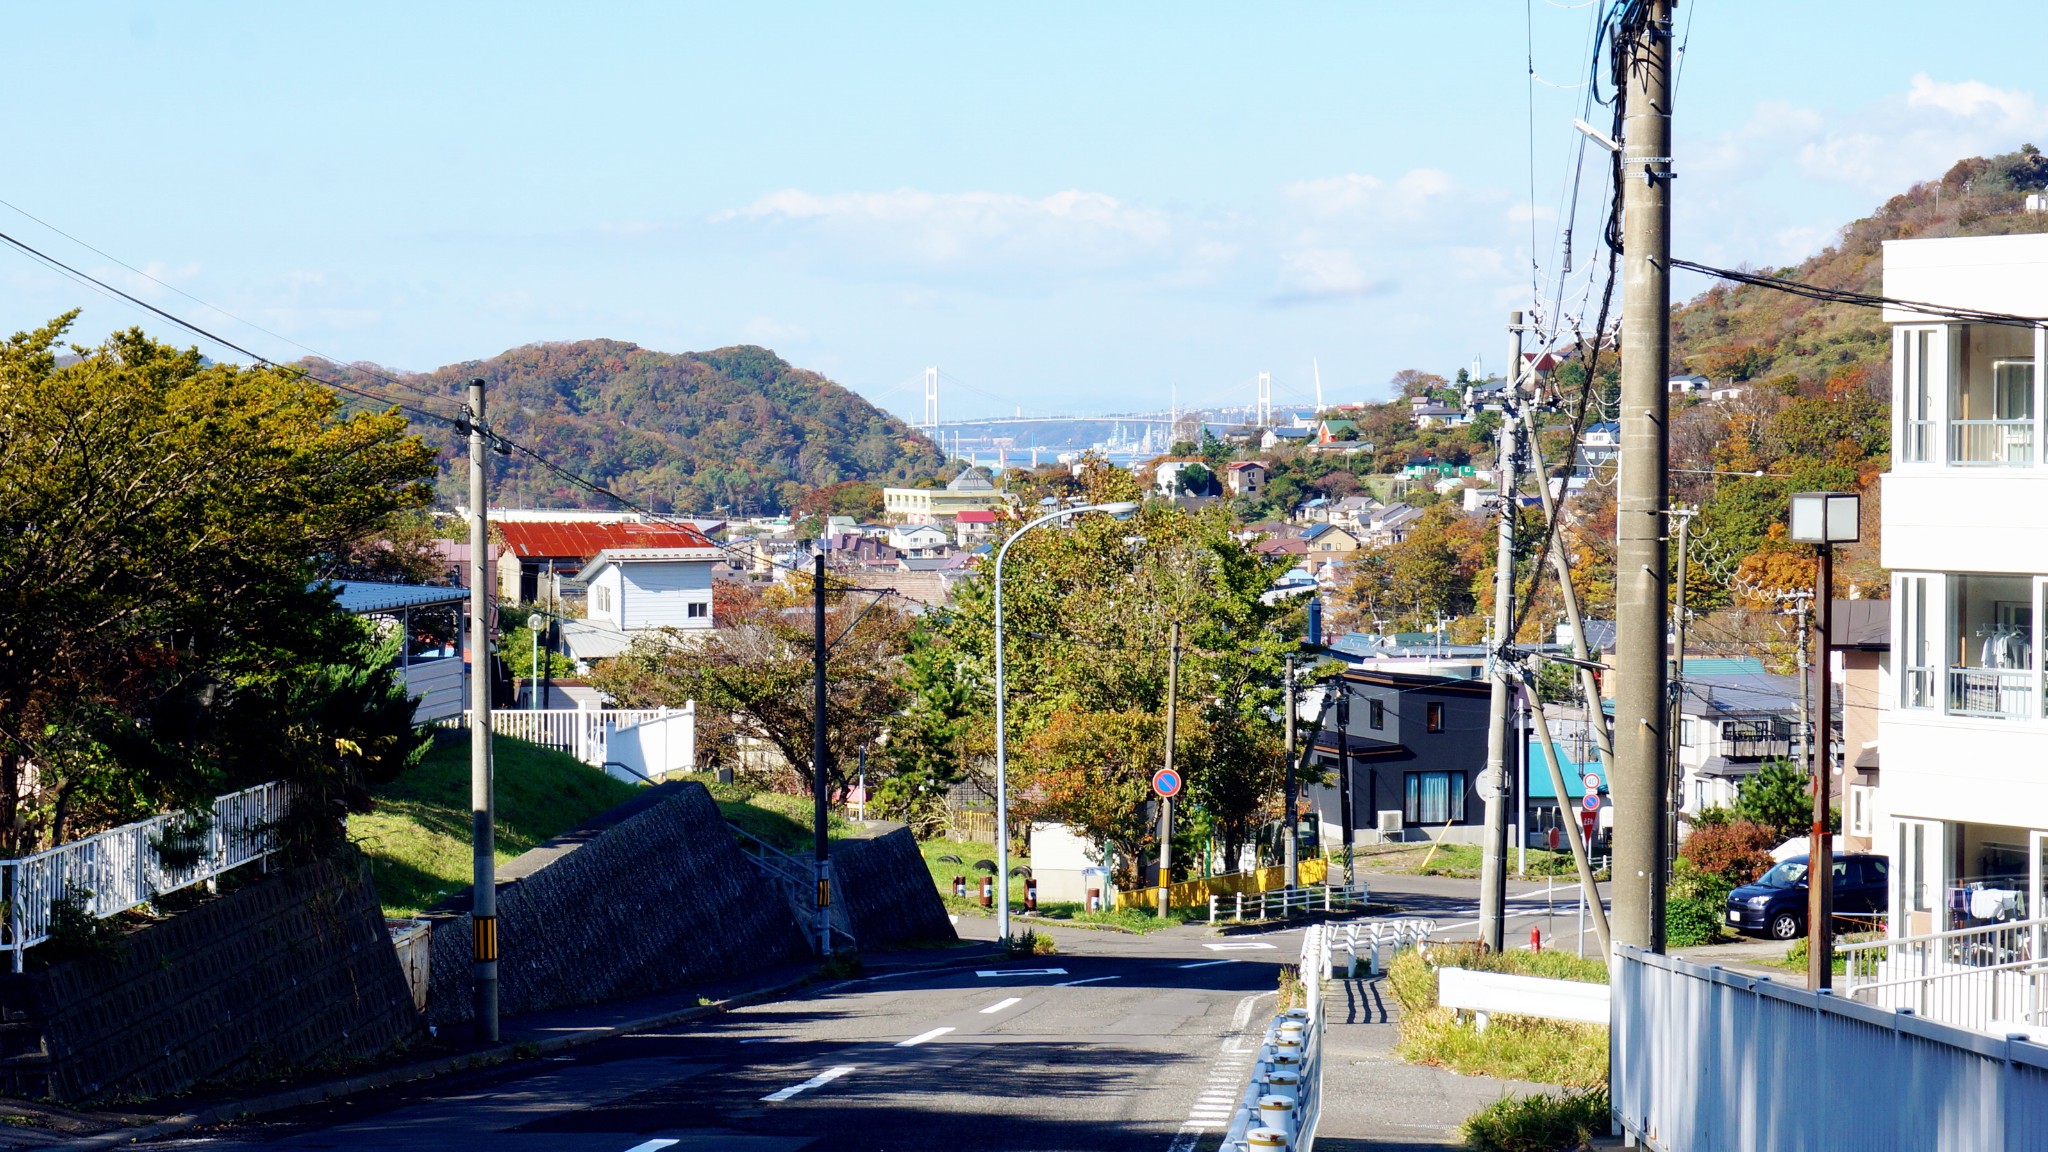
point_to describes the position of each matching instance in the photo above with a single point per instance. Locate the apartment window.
(699, 610)
(1916, 645)
(1436, 716)
(1435, 798)
(1376, 714)
(1917, 349)
(1991, 397)
(1860, 822)
(1991, 650)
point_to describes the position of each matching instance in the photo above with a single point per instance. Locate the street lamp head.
(1121, 509)
(1825, 517)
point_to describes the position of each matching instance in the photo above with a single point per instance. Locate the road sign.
(1592, 802)
(1553, 839)
(1591, 780)
(1166, 782)
(1589, 821)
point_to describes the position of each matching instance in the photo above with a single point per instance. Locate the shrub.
(1739, 851)
(1031, 943)
(1711, 817)
(1538, 1123)
(1690, 921)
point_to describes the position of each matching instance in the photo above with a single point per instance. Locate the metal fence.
(110, 872)
(1203, 889)
(1987, 978)
(581, 732)
(1705, 1058)
(1283, 902)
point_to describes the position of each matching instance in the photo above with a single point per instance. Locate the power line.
(1858, 299)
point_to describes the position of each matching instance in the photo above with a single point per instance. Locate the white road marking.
(921, 1037)
(1219, 1101)
(1205, 963)
(652, 1145)
(999, 1005)
(987, 973)
(1243, 1016)
(818, 1081)
(1239, 946)
(1089, 980)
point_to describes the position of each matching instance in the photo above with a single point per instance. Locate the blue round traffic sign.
(1591, 802)
(1166, 782)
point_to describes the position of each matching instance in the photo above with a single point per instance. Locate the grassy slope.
(418, 838)
(1512, 1047)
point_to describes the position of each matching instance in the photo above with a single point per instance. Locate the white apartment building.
(1963, 729)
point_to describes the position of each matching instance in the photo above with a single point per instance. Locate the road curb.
(421, 1070)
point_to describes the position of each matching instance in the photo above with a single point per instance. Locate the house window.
(601, 598)
(1435, 798)
(1860, 823)
(1376, 714)
(1916, 645)
(699, 610)
(1688, 731)
(1917, 348)
(1436, 716)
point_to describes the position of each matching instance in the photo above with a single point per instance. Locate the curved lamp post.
(1119, 509)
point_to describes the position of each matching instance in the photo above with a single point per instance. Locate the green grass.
(1512, 1047)
(784, 821)
(418, 838)
(1538, 1123)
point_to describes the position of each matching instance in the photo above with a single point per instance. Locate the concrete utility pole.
(1493, 867)
(1344, 777)
(1800, 600)
(1166, 802)
(1820, 856)
(1641, 709)
(483, 890)
(1290, 850)
(819, 755)
(1682, 517)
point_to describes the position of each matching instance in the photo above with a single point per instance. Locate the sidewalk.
(1372, 1099)
(34, 1125)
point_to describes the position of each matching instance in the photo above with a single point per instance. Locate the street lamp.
(533, 626)
(1119, 509)
(1824, 519)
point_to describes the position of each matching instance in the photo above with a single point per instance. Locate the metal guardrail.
(1283, 902)
(1987, 978)
(110, 872)
(1282, 1106)
(1708, 1058)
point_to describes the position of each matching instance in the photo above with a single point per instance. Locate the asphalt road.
(1117, 1042)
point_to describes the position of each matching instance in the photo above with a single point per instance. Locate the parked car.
(1775, 905)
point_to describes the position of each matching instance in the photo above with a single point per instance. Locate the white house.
(633, 590)
(919, 539)
(1963, 730)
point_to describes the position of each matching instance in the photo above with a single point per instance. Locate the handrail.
(1931, 937)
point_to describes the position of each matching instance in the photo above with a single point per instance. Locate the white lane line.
(652, 1145)
(989, 973)
(1089, 980)
(1205, 963)
(999, 1005)
(1242, 1018)
(818, 1081)
(1238, 946)
(922, 1037)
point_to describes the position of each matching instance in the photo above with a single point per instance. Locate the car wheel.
(1785, 926)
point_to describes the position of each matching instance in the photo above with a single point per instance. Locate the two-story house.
(632, 591)
(1964, 800)
(920, 540)
(1405, 752)
(1245, 478)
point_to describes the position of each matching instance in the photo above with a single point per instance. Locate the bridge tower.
(931, 398)
(1265, 401)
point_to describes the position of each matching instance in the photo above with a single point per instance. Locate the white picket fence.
(588, 733)
(121, 868)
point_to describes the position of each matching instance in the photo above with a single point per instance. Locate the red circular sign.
(1166, 782)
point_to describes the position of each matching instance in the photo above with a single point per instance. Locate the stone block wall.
(294, 971)
(650, 897)
(887, 889)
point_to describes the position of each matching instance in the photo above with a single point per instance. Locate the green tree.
(928, 750)
(1779, 797)
(166, 520)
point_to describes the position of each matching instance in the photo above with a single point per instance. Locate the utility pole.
(1344, 777)
(1493, 866)
(1681, 516)
(1166, 802)
(1289, 852)
(483, 880)
(1641, 708)
(819, 753)
(1800, 600)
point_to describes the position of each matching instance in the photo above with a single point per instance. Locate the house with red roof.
(539, 554)
(974, 528)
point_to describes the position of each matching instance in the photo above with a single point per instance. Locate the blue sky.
(1067, 208)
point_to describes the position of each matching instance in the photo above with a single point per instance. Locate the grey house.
(1412, 748)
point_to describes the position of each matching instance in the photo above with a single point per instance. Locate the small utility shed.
(630, 591)
(432, 659)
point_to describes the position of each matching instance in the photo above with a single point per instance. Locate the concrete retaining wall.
(651, 896)
(295, 970)
(887, 890)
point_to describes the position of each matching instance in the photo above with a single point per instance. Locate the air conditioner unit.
(1390, 822)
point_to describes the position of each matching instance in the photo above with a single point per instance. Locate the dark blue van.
(1775, 905)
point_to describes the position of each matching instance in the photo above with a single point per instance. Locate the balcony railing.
(1916, 441)
(1991, 443)
(1987, 978)
(1996, 692)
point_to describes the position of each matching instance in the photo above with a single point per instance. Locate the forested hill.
(1750, 333)
(737, 429)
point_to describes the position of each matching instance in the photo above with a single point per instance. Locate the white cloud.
(958, 228)
(1413, 193)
